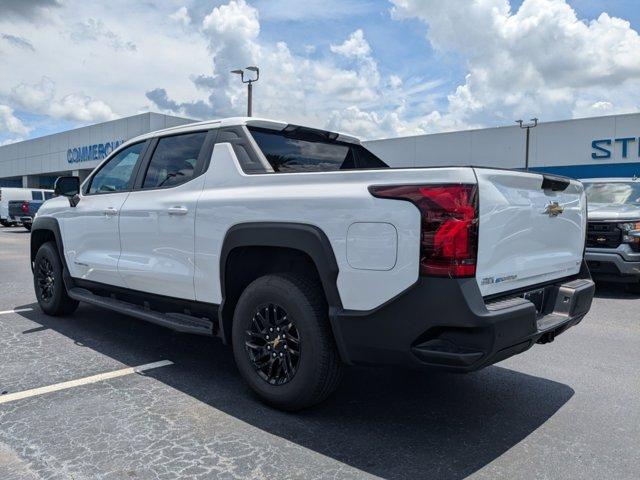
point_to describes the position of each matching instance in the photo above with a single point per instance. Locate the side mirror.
(68, 187)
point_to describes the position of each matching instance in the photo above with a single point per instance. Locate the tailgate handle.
(553, 183)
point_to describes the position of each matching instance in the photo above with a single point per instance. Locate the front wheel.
(283, 344)
(48, 283)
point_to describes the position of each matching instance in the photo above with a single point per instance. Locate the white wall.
(554, 145)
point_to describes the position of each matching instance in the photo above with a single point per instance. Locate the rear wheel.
(4, 223)
(282, 342)
(47, 280)
(27, 226)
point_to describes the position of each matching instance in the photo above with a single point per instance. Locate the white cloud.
(292, 87)
(76, 106)
(92, 61)
(395, 81)
(102, 77)
(181, 16)
(10, 123)
(354, 46)
(541, 60)
(96, 30)
(40, 98)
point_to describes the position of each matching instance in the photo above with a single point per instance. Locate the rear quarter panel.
(331, 201)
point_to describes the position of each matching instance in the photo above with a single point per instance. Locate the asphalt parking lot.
(569, 409)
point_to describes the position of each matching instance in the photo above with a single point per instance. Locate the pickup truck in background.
(8, 194)
(305, 252)
(613, 234)
(24, 211)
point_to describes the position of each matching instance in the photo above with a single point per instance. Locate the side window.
(174, 160)
(116, 175)
(36, 195)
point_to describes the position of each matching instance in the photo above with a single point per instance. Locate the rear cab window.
(36, 195)
(174, 160)
(300, 149)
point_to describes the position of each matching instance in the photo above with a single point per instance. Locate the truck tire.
(4, 223)
(48, 283)
(282, 342)
(27, 226)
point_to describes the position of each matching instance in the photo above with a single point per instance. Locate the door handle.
(178, 210)
(110, 211)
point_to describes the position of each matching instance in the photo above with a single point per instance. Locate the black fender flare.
(306, 238)
(49, 224)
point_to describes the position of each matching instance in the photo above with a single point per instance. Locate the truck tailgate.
(527, 234)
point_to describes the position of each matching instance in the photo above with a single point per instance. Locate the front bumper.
(445, 323)
(614, 264)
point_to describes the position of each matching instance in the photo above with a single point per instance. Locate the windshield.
(617, 193)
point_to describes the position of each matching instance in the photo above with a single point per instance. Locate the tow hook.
(547, 337)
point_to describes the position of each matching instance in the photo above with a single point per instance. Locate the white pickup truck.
(305, 252)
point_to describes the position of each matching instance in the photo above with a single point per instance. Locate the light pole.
(527, 126)
(249, 83)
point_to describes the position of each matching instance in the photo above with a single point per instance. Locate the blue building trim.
(593, 170)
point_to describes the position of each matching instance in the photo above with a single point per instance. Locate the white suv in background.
(304, 251)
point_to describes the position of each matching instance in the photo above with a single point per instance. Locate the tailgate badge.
(553, 209)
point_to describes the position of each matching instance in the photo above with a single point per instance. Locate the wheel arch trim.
(308, 239)
(49, 224)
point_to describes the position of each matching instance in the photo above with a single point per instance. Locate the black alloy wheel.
(48, 283)
(273, 344)
(45, 279)
(282, 341)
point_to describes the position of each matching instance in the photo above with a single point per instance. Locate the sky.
(372, 68)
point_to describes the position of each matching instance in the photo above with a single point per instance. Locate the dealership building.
(607, 146)
(593, 147)
(36, 163)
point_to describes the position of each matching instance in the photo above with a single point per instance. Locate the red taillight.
(25, 207)
(449, 231)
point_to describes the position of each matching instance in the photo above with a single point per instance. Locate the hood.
(605, 211)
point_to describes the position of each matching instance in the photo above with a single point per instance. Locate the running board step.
(179, 322)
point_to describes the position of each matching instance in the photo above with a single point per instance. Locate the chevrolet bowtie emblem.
(553, 209)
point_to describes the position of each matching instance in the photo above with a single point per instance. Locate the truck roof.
(230, 122)
(610, 180)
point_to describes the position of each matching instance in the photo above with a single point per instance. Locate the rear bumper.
(446, 324)
(613, 265)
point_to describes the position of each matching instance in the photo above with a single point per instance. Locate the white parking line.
(17, 310)
(82, 381)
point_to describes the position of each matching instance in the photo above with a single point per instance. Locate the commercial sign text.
(89, 153)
